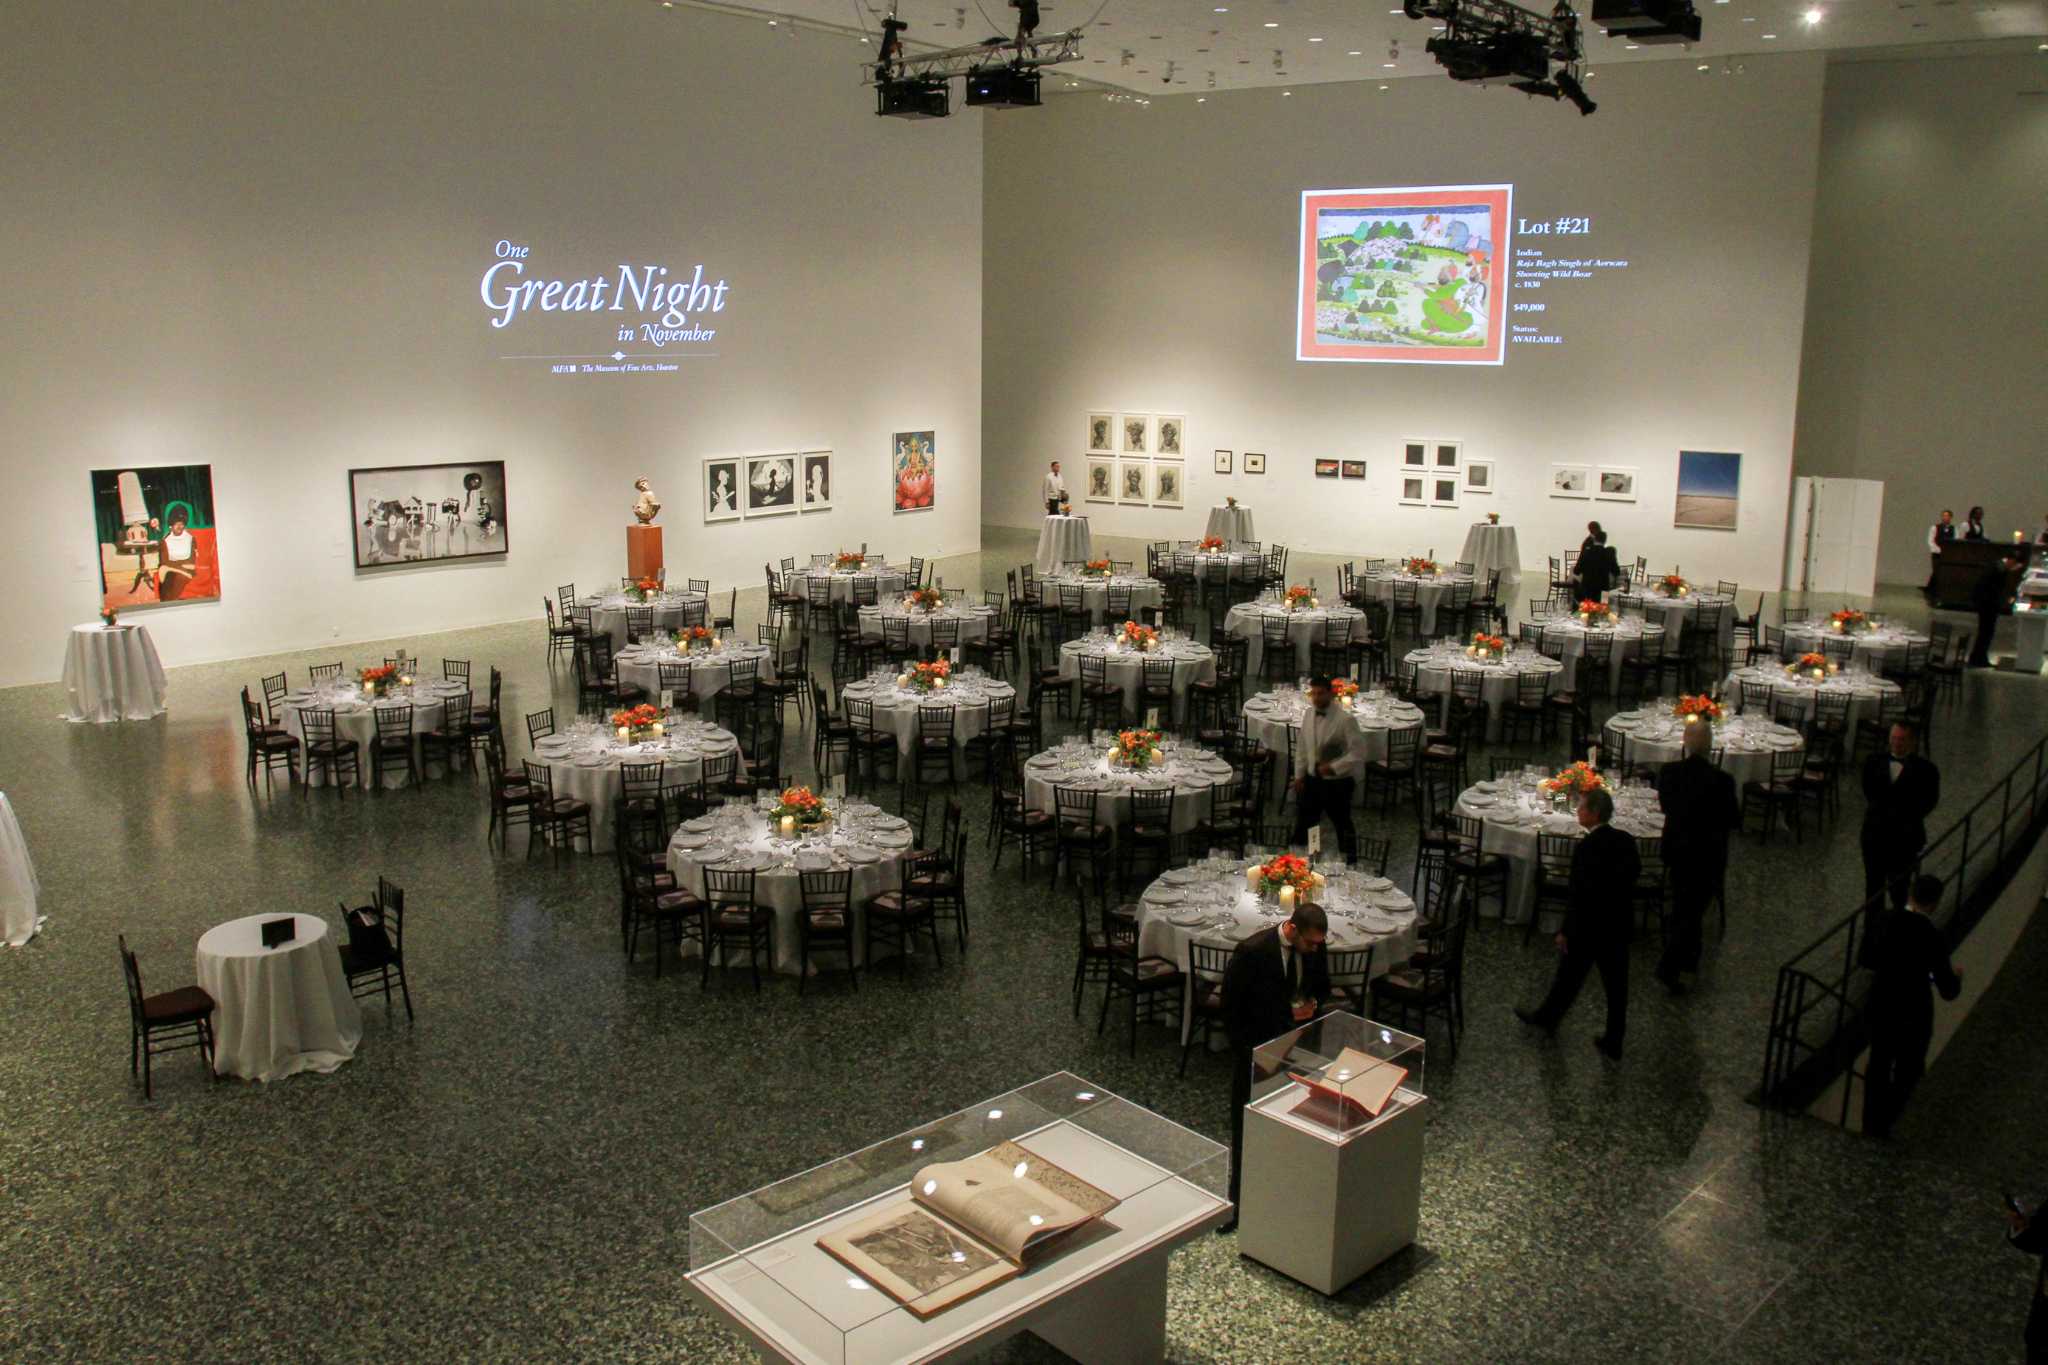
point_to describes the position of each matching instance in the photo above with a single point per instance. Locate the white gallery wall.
(253, 236)
(1925, 340)
(1144, 259)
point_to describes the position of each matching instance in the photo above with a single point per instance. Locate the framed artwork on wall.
(1571, 481)
(1443, 490)
(1101, 480)
(1615, 484)
(1414, 490)
(721, 488)
(1101, 433)
(1354, 469)
(1415, 455)
(1132, 479)
(1222, 462)
(1169, 481)
(1446, 454)
(1326, 469)
(1478, 476)
(1709, 489)
(420, 513)
(1172, 435)
(156, 534)
(815, 492)
(1254, 462)
(1136, 434)
(914, 471)
(771, 485)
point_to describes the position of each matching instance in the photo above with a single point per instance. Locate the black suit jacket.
(1596, 568)
(1602, 909)
(1897, 812)
(1910, 959)
(1257, 1005)
(1700, 812)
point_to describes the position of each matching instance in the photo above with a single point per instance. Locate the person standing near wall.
(1943, 532)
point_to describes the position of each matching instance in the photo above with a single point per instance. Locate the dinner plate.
(1379, 924)
(1187, 919)
(690, 840)
(1478, 801)
(591, 761)
(1378, 884)
(1165, 895)
(702, 822)
(859, 853)
(1181, 876)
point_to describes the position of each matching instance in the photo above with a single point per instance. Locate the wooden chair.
(826, 921)
(897, 918)
(1779, 792)
(1207, 962)
(560, 819)
(732, 920)
(1152, 987)
(267, 745)
(511, 802)
(373, 957)
(326, 752)
(1078, 835)
(1350, 973)
(1436, 988)
(165, 1022)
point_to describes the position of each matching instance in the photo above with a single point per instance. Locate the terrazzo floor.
(511, 1177)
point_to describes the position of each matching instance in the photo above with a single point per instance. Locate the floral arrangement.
(644, 588)
(850, 559)
(695, 635)
(637, 722)
(1702, 707)
(1420, 566)
(377, 679)
(107, 617)
(1296, 597)
(801, 805)
(1135, 749)
(1210, 544)
(1595, 613)
(1343, 689)
(1816, 664)
(1284, 870)
(924, 677)
(1144, 639)
(1848, 618)
(1486, 646)
(1098, 568)
(926, 600)
(1674, 586)
(1577, 780)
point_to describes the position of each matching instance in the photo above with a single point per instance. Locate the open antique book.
(1351, 1091)
(965, 1226)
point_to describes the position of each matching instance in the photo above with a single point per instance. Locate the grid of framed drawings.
(1137, 459)
(1433, 473)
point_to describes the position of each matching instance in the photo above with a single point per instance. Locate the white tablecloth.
(972, 620)
(877, 866)
(1240, 566)
(710, 669)
(2030, 638)
(1743, 745)
(354, 719)
(1499, 682)
(1190, 772)
(886, 581)
(1062, 540)
(608, 613)
(896, 708)
(586, 768)
(278, 1011)
(1430, 590)
(1866, 692)
(1231, 523)
(1305, 628)
(18, 885)
(1678, 613)
(1274, 720)
(1125, 667)
(1569, 634)
(1514, 816)
(1145, 592)
(1870, 649)
(113, 674)
(1489, 547)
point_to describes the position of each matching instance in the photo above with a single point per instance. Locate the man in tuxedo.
(1900, 789)
(1909, 958)
(1268, 974)
(1989, 598)
(1596, 925)
(1597, 564)
(1700, 811)
(1329, 750)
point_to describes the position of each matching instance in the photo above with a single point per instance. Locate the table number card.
(668, 699)
(1151, 718)
(837, 788)
(1315, 841)
(956, 656)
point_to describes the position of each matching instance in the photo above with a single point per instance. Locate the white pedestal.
(2032, 630)
(1323, 1208)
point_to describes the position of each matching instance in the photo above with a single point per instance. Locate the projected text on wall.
(646, 317)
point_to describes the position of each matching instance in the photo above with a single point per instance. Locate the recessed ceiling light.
(1814, 15)
(1315, 40)
(1285, 93)
(1273, 24)
(1386, 87)
(1388, 65)
(1630, 47)
(1769, 36)
(1354, 52)
(1702, 67)
(1201, 99)
(1223, 9)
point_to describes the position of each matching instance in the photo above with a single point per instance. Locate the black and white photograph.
(1354, 469)
(1101, 433)
(1478, 476)
(1169, 478)
(1443, 490)
(1414, 490)
(1101, 480)
(1222, 462)
(1571, 481)
(1617, 484)
(771, 485)
(1447, 453)
(1136, 434)
(722, 488)
(1254, 462)
(1172, 433)
(421, 513)
(816, 494)
(1415, 454)
(1132, 476)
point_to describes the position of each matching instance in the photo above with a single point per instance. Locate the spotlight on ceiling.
(1648, 21)
(1002, 87)
(1001, 73)
(1494, 42)
(917, 97)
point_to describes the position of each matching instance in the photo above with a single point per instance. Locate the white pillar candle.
(623, 733)
(789, 826)
(1287, 898)
(1251, 879)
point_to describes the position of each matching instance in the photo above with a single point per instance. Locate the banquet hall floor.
(512, 1176)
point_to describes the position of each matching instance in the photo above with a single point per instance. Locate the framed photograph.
(157, 535)
(1254, 462)
(418, 513)
(1443, 490)
(1326, 469)
(1414, 490)
(770, 489)
(1101, 480)
(1135, 434)
(1222, 462)
(1354, 469)
(815, 491)
(1478, 476)
(1571, 481)
(914, 471)
(721, 488)
(1415, 455)
(1446, 455)
(1615, 484)
(1709, 489)
(1169, 483)
(1172, 433)
(1132, 480)
(1102, 433)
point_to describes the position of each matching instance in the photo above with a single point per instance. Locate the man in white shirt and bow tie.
(1327, 752)
(1054, 491)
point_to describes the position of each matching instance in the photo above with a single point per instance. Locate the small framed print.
(1415, 490)
(1415, 455)
(1616, 484)
(1571, 481)
(1445, 455)
(1479, 476)
(721, 488)
(1443, 490)
(1254, 462)
(1102, 433)
(1222, 462)
(816, 474)
(1169, 479)
(1354, 469)
(1101, 479)
(1132, 477)
(1326, 469)
(771, 485)
(1169, 435)
(1136, 438)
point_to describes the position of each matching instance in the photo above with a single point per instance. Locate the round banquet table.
(112, 673)
(1188, 771)
(1192, 662)
(1307, 628)
(18, 885)
(1677, 614)
(1875, 649)
(1231, 524)
(1239, 566)
(1489, 547)
(1568, 635)
(608, 613)
(1743, 745)
(1500, 678)
(1274, 720)
(710, 669)
(277, 1011)
(865, 840)
(1207, 901)
(585, 762)
(1145, 592)
(1062, 540)
(356, 719)
(841, 581)
(1867, 692)
(970, 694)
(1515, 813)
(1430, 589)
(973, 621)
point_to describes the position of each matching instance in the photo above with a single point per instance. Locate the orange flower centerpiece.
(1297, 597)
(637, 722)
(929, 677)
(1593, 613)
(1572, 783)
(926, 600)
(1098, 568)
(1690, 709)
(695, 637)
(800, 808)
(1135, 749)
(643, 589)
(1674, 586)
(1420, 566)
(847, 560)
(1343, 689)
(1847, 619)
(1486, 646)
(377, 681)
(1813, 665)
(1286, 875)
(107, 617)
(1209, 544)
(1144, 639)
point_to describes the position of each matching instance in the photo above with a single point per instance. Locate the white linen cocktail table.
(277, 1011)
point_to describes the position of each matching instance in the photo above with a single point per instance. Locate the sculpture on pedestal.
(646, 506)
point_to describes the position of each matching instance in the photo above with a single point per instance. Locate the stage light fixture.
(1001, 73)
(1495, 42)
(1002, 87)
(918, 97)
(1648, 21)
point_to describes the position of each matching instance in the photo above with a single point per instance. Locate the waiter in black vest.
(1900, 790)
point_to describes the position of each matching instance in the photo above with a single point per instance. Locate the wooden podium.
(1963, 562)
(643, 551)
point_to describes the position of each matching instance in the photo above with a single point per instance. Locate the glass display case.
(1338, 1076)
(758, 1262)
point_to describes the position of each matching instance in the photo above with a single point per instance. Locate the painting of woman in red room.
(156, 535)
